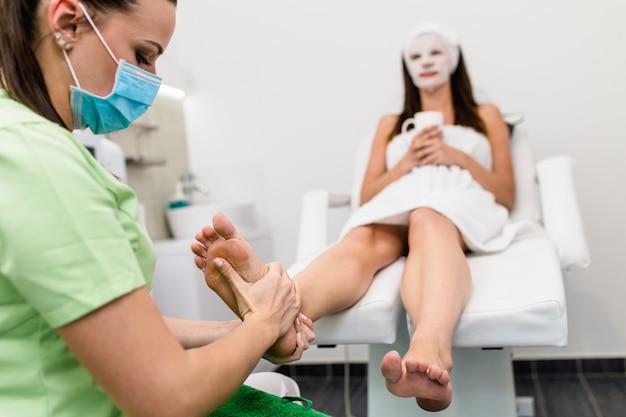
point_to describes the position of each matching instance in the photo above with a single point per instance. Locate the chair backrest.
(527, 203)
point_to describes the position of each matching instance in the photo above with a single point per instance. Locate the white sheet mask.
(428, 62)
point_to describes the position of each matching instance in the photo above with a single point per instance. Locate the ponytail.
(20, 73)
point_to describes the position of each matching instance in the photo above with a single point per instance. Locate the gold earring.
(62, 42)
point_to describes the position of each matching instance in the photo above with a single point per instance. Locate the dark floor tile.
(603, 366)
(565, 366)
(356, 369)
(323, 384)
(358, 397)
(324, 370)
(328, 395)
(610, 395)
(525, 386)
(522, 367)
(313, 371)
(323, 394)
(564, 396)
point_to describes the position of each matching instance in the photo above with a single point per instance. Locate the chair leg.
(482, 381)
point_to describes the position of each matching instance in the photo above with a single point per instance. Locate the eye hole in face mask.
(434, 52)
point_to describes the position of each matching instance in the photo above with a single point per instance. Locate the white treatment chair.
(517, 297)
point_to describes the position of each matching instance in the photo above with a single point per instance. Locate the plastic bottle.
(178, 200)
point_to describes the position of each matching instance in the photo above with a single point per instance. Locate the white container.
(107, 152)
(184, 222)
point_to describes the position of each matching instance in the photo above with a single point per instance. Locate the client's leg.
(339, 277)
(435, 288)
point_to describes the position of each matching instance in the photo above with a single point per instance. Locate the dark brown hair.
(20, 73)
(465, 107)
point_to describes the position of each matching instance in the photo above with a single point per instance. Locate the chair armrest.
(561, 213)
(313, 233)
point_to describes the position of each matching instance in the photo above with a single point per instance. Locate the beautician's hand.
(274, 299)
(304, 335)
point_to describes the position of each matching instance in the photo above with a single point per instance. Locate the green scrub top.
(70, 242)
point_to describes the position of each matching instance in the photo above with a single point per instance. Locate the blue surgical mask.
(133, 93)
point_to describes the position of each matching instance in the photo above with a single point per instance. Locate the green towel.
(250, 402)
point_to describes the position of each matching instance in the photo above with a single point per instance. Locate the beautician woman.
(79, 332)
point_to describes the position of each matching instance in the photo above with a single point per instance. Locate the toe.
(444, 379)
(198, 249)
(224, 227)
(207, 235)
(423, 366)
(391, 366)
(415, 366)
(434, 373)
(200, 262)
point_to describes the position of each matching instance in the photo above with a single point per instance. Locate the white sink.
(185, 222)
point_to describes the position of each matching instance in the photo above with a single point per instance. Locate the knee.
(425, 219)
(425, 216)
(375, 239)
(428, 225)
(362, 236)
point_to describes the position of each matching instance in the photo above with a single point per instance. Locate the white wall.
(280, 91)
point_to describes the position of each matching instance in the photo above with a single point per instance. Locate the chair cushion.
(527, 203)
(562, 218)
(517, 299)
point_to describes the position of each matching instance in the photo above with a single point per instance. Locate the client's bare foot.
(428, 380)
(223, 241)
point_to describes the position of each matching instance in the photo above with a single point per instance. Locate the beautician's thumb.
(226, 269)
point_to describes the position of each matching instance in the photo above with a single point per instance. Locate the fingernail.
(299, 335)
(218, 262)
(303, 317)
